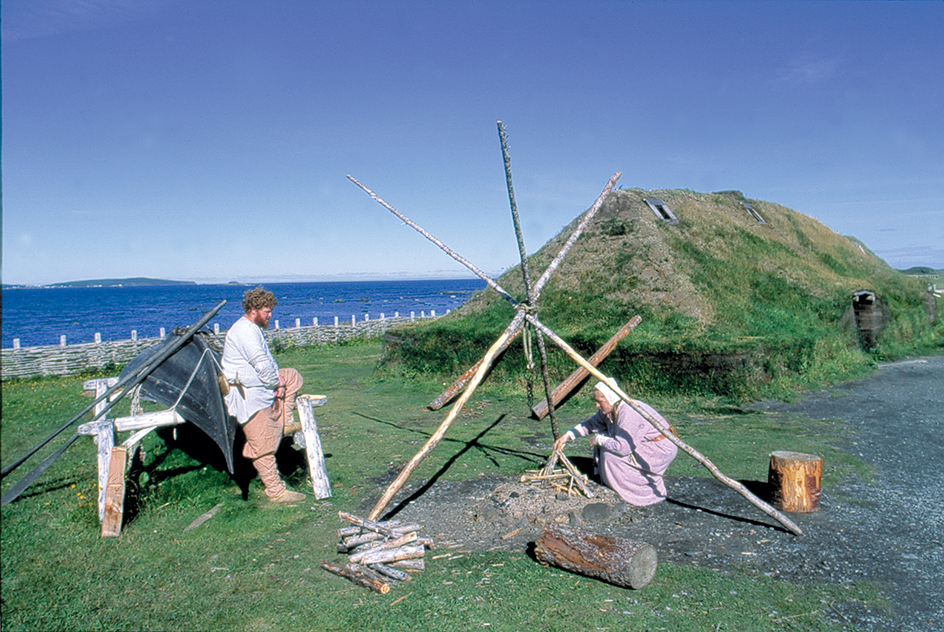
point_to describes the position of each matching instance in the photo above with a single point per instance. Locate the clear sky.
(208, 140)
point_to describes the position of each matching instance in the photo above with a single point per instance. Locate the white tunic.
(248, 362)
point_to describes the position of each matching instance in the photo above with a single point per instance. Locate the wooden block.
(115, 493)
(795, 479)
(619, 561)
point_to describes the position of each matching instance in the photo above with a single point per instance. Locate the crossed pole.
(526, 314)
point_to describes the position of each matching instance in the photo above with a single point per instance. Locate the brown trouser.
(264, 433)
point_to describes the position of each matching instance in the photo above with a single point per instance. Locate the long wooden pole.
(491, 282)
(754, 500)
(133, 378)
(526, 274)
(574, 379)
(447, 395)
(516, 324)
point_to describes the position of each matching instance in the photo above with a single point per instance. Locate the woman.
(630, 454)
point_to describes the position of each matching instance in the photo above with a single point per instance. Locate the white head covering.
(608, 393)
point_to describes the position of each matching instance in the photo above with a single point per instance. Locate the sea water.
(39, 316)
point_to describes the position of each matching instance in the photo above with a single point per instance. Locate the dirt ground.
(889, 530)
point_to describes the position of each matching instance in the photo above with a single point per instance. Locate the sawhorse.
(114, 460)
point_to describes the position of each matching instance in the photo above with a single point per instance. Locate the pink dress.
(631, 454)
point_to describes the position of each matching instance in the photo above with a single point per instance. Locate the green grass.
(256, 567)
(729, 307)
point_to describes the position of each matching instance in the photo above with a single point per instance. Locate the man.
(262, 396)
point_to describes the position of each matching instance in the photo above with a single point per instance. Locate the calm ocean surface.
(38, 316)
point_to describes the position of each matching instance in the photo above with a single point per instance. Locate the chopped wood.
(391, 572)
(386, 546)
(413, 565)
(364, 538)
(618, 561)
(358, 578)
(410, 551)
(369, 572)
(365, 523)
(577, 477)
(199, 521)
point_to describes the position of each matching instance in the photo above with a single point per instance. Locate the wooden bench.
(114, 459)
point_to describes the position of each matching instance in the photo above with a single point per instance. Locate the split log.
(794, 479)
(386, 546)
(115, 493)
(577, 377)
(369, 524)
(618, 561)
(390, 572)
(414, 565)
(382, 556)
(358, 578)
(369, 572)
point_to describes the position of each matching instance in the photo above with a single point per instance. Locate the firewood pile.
(380, 554)
(567, 479)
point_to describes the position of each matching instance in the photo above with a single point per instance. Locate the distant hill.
(133, 281)
(734, 294)
(921, 271)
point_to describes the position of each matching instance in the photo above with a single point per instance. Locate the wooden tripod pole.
(525, 272)
(695, 454)
(437, 436)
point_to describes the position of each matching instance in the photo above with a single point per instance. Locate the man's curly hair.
(258, 298)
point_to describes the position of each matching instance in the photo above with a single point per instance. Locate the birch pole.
(532, 296)
(437, 436)
(695, 454)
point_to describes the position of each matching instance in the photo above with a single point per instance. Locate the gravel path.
(890, 530)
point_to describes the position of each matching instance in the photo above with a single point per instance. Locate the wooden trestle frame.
(526, 315)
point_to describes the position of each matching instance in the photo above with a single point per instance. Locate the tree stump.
(794, 479)
(618, 561)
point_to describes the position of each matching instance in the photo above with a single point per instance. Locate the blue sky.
(209, 140)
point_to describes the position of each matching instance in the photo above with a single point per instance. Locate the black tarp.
(202, 403)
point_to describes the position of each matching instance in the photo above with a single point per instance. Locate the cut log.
(386, 546)
(392, 573)
(618, 561)
(794, 479)
(414, 565)
(358, 578)
(383, 556)
(577, 377)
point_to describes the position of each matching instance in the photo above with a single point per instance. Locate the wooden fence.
(65, 359)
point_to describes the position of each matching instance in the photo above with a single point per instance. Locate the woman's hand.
(559, 444)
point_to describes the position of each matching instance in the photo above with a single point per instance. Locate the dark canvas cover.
(188, 379)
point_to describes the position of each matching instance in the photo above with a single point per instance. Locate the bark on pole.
(358, 578)
(491, 282)
(754, 500)
(618, 561)
(574, 379)
(437, 436)
(526, 274)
